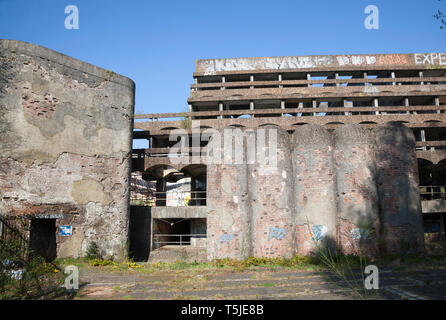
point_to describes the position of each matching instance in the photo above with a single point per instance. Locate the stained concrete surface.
(262, 283)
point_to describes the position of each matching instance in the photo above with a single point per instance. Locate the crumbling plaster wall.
(65, 145)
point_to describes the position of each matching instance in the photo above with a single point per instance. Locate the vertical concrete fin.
(357, 195)
(314, 189)
(271, 189)
(228, 222)
(397, 177)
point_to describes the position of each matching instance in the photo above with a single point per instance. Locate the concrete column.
(251, 107)
(393, 77)
(437, 103)
(346, 105)
(161, 196)
(309, 78)
(376, 104)
(314, 189)
(423, 138)
(357, 195)
(365, 78)
(397, 180)
(421, 76)
(314, 105)
(192, 189)
(282, 106)
(406, 104)
(442, 226)
(251, 79)
(280, 79)
(271, 193)
(220, 108)
(337, 78)
(301, 105)
(228, 203)
(223, 80)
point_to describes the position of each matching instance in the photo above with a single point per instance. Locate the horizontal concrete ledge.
(318, 62)
(179, 212)
(21, 47)
(432, 206)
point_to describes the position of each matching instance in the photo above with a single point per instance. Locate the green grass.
(304, 263)
(268, 284)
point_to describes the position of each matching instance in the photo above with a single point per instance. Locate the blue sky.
(156, 43)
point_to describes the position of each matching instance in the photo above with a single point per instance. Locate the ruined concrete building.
(360, 144)
(66, 132)
(360, 156)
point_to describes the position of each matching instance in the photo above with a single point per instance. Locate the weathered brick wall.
(65, 141)
(271, 192)
(357, 195)
(314, 181)
(228, 221)
(397, 177)
(353, 188)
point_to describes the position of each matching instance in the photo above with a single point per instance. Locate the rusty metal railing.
(13, 239)
(170, 199)
(180, 239)
(433, 192)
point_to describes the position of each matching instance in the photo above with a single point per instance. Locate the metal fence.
(433, 192)
(12, 238)
(170, 199)
(179, 239)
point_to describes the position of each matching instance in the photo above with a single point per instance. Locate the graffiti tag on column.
(277, 233)
(359, 233)
(319, 232)
(430, 58)
(226, 237)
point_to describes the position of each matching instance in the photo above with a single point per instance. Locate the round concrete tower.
(358, 216)
(228, 222)
(397, 177)
(271, 190)
(314, 189)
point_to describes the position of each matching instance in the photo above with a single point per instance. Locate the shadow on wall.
(357, 186)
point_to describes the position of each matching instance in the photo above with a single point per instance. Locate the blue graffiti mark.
(319, 232)
(277, 233)
(358, 234)
(65, 231)
(226, 237)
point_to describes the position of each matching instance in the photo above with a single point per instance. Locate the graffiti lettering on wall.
(392, 59)
(319, 232)
(226, 237)
(277, 233)
(430, 58)
(178, 194)
(355, 60)
(358, 234)
(212, 66)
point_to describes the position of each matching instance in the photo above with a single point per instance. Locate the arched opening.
(198, 184)
(268, 124)
(367, 122)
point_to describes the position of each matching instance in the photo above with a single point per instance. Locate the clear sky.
(156, 43)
